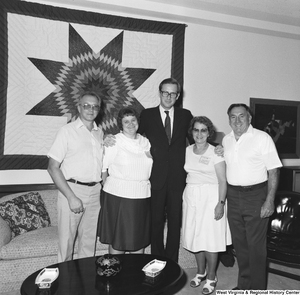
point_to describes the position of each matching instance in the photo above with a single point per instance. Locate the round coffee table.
(80, 277)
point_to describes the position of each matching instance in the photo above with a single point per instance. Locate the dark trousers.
(167, 201)
(249, 232)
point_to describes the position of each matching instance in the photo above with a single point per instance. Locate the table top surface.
(80, 277)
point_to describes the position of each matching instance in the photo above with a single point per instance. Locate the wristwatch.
(222, 202)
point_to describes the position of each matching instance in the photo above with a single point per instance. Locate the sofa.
(33, 250)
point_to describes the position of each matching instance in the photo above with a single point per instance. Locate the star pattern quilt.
(50, 55)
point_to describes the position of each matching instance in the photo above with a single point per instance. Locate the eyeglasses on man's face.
(94, 107)
(167, 94)
(203, 130)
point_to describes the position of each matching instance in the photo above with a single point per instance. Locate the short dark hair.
(205, 121)
(236, 105)
(128, 111)
(170, 81)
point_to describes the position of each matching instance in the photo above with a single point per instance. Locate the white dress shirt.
(164, 115)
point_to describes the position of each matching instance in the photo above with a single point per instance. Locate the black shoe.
(236, 288)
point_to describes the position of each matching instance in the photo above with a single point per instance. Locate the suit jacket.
(168, 160)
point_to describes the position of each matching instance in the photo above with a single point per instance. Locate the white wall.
(226, 66)
(222, 65)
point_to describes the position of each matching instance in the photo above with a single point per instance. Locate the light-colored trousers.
(83, 225)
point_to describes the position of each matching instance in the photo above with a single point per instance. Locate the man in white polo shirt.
(252, 175)
(75, 164)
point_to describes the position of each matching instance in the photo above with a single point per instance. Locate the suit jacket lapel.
(157, 118)
(176, 123)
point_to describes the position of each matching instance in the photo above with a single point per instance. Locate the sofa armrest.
(5, 233)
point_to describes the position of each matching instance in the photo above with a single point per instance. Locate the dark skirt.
(124, 223)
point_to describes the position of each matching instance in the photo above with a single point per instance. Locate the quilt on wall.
(50, 55)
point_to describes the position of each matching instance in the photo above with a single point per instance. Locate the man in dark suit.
(166, 128)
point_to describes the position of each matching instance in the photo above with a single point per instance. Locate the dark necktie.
(168, 126)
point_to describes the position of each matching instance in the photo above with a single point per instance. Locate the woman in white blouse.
(124, 220)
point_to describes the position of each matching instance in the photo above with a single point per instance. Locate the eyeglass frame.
(93, 107)
(202, 130)
(167, 94)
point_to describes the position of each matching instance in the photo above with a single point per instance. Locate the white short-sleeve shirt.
(249, 158)
(201, 168)
(79, 151)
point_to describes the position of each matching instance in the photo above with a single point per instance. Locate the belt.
(247, 188)
(83, 183)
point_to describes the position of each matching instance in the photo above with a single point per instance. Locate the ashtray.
(154, 268)
(46, 277)
(108, 265)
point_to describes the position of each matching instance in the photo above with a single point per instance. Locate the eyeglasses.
(203, 130)
(94, 107)
(167, 94)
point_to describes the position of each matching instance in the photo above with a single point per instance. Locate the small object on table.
(108, 265)
(154, 268)
(46, 277)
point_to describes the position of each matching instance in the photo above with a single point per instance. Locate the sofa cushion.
(25, 213)
(36, 243)
(5, 233)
